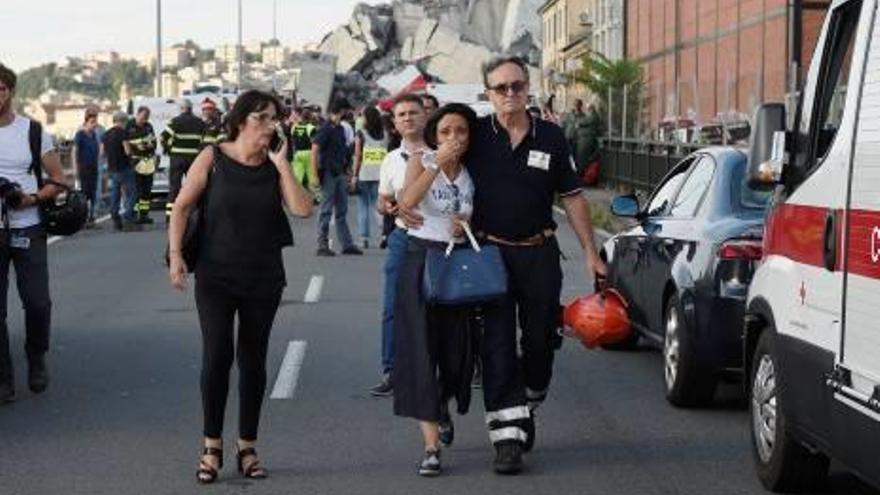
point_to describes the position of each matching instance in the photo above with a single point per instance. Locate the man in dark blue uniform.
(519, 165)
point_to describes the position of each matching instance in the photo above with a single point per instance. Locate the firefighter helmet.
(66, 214)
(597, 319)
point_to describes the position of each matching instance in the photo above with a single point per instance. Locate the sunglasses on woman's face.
(456, 199)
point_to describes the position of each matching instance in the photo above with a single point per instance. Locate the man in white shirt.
(409, 120)
(22, 238)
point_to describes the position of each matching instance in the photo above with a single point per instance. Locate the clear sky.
(40, 31)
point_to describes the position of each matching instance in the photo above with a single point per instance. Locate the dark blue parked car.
(685, 267)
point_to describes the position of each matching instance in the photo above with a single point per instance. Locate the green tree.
(604, 78)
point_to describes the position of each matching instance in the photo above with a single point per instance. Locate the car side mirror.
(767, 147)
(625, 206)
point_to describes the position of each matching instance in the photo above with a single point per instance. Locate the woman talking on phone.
(240, 186)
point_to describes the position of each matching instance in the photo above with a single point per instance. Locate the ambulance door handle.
(829, 241)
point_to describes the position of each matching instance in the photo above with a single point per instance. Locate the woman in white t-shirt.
(432, 343)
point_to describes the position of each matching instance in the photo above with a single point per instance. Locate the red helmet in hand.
(597, 319)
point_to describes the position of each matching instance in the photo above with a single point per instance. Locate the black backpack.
(67, 213)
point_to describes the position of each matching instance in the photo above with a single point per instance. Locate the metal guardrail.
(636, 164)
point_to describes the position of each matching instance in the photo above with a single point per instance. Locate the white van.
(812, 330)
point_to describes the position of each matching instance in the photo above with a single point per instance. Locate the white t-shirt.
(392, 176)
(15, 164)
(444, 201)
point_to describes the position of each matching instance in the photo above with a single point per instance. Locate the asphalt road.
(122, 414)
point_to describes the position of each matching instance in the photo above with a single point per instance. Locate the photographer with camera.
(22, 237)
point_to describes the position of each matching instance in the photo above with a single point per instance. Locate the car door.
(666, 235)
(632, 245)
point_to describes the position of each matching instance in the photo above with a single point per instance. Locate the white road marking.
(56, 238)
(288, 375)
(313, 293)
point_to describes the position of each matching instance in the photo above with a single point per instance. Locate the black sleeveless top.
(245, 228)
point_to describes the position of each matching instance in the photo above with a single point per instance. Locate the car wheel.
(783, 464)
(688, 383)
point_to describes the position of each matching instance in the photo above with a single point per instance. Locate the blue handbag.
(464, 275)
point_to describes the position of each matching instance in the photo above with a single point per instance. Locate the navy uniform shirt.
(333, 152)
(516, 187)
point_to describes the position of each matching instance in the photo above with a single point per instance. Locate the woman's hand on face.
(177, 271)
(448, 153)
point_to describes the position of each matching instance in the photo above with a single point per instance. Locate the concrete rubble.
(447, 40)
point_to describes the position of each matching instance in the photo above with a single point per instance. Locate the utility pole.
(158, 48)
(240, 48)
(275, 44)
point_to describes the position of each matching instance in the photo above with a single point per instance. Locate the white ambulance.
(812, 330)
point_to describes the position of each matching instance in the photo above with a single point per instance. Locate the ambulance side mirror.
(767, 146)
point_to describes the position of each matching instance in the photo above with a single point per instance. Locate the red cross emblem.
(803, 293)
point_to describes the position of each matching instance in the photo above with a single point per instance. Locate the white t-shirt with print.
(15, 164)
(443, 202)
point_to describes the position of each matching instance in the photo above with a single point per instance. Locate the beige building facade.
(566, 39)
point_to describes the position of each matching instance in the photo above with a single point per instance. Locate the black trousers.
(433, 345)
(32, 279)
(144, 183)
(88, 184)
(178, 168)
(218, 308)
(534, 286)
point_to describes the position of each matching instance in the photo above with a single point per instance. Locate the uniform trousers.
(510, 382)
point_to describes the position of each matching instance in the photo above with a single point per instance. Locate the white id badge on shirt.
(20, 242)
(539, 160)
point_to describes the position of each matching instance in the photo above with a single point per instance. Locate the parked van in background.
(812, 331)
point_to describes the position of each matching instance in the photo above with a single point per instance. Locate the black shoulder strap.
(35, 138)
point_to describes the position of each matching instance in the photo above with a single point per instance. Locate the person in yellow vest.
(301, 133)
(370, 148)
(182, 141)
(140, 145)
(214, 131)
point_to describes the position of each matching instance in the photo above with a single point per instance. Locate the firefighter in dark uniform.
(519, 164)
(182, 141)
(140, 145)
(214, 131)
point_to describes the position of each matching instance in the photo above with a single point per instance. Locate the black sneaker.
(7, 393)
(383, 388)
(430, 465)
(447, 432)
(117, 222)
(325, 251)
(477, 380)
(508, 458)
(38, 375)
(529, 428)
(383, 243)
(352, 250)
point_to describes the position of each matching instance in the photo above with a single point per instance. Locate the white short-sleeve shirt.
(443, 202)
(392, 176)
(15, 164)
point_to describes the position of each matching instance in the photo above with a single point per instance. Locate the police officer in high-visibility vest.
(302, 133)
(214, 131)
(140, 145)
(182, 141)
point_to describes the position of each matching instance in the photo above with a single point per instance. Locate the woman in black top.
(239, 270)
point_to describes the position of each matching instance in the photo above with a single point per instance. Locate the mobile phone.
(277, 141)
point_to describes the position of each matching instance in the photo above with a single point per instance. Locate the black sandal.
(207, 474)
(254, 470)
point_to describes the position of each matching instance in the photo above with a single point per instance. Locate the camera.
(11, 193)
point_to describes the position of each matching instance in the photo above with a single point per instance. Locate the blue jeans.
(397, 242)
(335, 197)
(368, 193)
(123, 180)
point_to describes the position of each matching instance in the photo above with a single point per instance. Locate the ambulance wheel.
(688, 383)
(783, 464)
